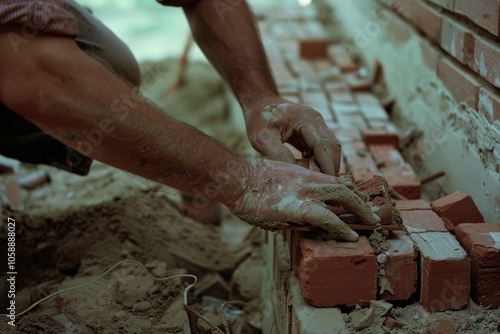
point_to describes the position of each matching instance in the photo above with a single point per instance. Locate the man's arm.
(68, 94)
(228, 37)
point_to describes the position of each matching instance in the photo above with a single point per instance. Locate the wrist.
(232, 181)
(256, 101)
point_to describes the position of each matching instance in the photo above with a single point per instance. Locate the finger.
(323, 146)
(317, 215)
(340, 195)
(269, 144)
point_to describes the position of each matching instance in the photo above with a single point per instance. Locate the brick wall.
(464, 35)
(438, 56)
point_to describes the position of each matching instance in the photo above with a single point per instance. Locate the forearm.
(71, 95)
(230, 41)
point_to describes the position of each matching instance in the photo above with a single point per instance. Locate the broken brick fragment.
(328, 271)
(482, 243)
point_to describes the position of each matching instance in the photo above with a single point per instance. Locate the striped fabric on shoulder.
(50, 16)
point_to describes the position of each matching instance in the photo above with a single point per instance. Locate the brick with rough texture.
(380, 137)
(329, 270)
(423, 16)
(399, 174)
(447, 4)
(419, 221)
(430, 54)
(401, 267)
(487, 60)
(457, 208)
(482, 243)
(359, 161)
(413, 204)
(462, 85)
(484, 13)
(314, 48)
(339, 55)
(444, 271)
(457, 40)
(489, 103)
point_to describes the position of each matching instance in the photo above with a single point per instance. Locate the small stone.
(382, 258)
(141, 307)
(120, 315)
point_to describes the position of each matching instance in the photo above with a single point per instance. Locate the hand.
(272, 121)
(278, 193)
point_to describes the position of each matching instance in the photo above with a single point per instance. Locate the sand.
(75, 228)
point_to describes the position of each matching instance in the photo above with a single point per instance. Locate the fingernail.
(353, 236)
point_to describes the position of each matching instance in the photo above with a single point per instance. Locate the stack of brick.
(459, 43)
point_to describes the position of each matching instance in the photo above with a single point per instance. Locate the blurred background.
(151, 30)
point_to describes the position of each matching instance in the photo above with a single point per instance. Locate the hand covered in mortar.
(277, 193)
(273, 121)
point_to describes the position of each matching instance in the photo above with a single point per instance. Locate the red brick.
(489, 104)
(401, 267)
(413, 204)
(444, 271)
(357, 84)
(314, 48)
(378, 137)
(319, 102)
(339, 55)
(419, 221)
(392, 323)
(329, 271)
(359, 161)
(343, 108)
(441, 326)
(322, 65)
(351, 121)
(336, 87)
(430, 54)
(457, 40)
(448, 4)
(367, 98)
(424, 17)
(374, 112)
(399, 174)
(341, 97)
(484, 13)
(482, 243)
(348, 135)
(398, 30)
(380, 200)
(487, 60)
(461, 84)
(458, 208)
